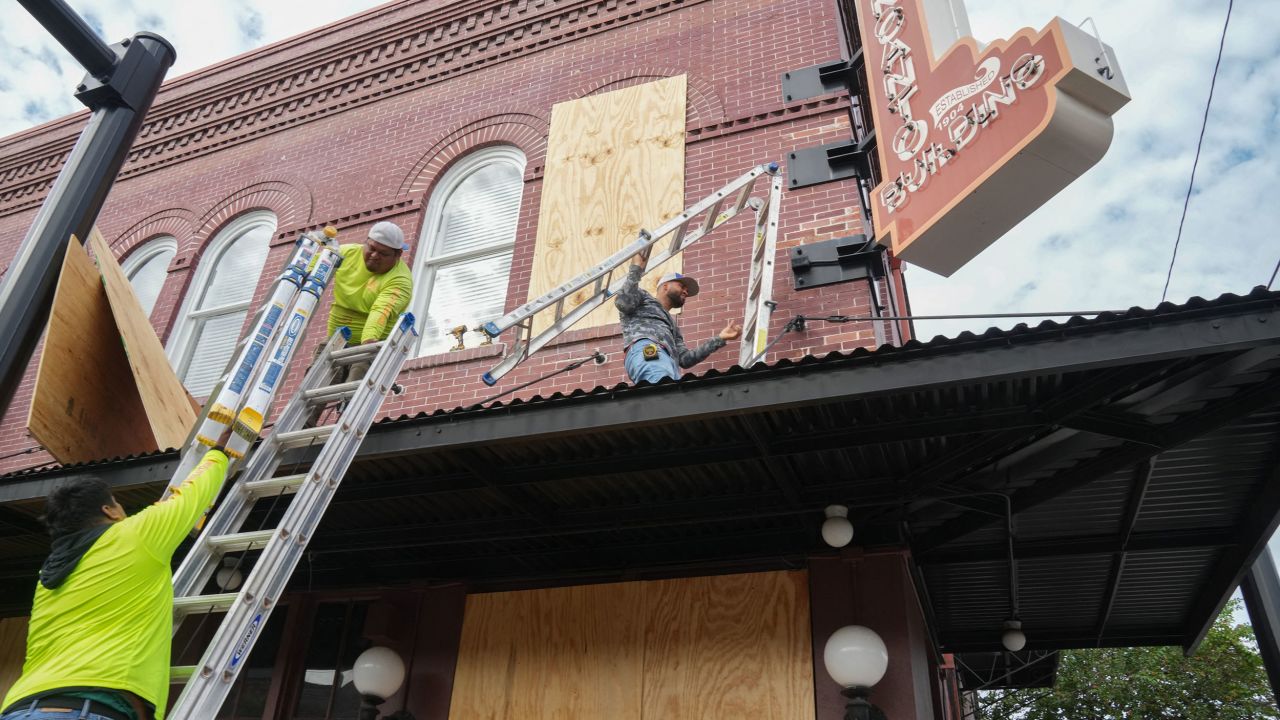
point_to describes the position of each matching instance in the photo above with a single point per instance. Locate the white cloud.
(1105, 241)
(32, 90)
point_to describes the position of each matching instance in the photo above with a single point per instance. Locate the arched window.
(215, 308)
(147, 267)
(464, 258)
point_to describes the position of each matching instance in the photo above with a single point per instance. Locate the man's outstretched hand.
(731, 331)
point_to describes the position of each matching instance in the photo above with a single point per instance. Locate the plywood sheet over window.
(615, 164)
(705, 648)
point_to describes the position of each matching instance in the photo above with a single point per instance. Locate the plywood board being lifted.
(85, 405)
(171, 411)
(615, 164)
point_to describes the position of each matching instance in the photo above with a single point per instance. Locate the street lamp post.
(856, 658)
(378, 672)
(121, 83)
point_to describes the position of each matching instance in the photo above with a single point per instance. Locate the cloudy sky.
(1104, 242)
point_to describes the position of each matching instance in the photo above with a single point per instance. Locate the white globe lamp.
(228, 577)
(856, 658)
(378, 674)
(837, 531)
(1013, 638)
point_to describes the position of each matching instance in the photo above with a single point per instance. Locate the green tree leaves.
(1224, 680)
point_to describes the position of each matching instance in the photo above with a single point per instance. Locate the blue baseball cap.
(690, 285)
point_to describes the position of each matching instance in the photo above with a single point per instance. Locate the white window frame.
(182, 341)
(151, 248)
(426, 261)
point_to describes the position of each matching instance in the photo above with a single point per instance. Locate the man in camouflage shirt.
(655, 348)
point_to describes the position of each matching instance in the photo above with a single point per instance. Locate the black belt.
(71, 704)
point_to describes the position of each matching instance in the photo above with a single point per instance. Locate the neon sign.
(972, 142)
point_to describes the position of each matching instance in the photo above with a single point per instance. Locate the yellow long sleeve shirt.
(368, 304)
(110, 623)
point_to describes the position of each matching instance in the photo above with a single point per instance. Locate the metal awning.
(1139, 453)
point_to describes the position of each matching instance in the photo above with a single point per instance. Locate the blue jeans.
(639, 369)
(23, 713)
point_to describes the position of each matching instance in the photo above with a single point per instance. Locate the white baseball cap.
(388, 234)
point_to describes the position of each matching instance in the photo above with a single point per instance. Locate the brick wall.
(356, 125)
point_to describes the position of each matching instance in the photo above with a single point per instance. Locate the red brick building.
(558, 525)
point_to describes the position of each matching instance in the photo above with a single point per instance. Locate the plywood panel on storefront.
(727, 647)
(561, 653)
(615, 164)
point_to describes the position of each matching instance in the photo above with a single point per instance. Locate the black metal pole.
(119, 93)
(1261, 590)
(74, 34)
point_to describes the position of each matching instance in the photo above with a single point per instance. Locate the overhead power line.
(1199, 143)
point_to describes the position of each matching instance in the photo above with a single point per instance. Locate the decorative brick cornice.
(430, 48)
(526, 131)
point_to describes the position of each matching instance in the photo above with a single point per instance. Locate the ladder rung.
(712, 214)
(220, 602)
(677, 239)
(352, 353)
(181, 673)
(305, 437)
(254, 540)
(329, 393)
(275, 485)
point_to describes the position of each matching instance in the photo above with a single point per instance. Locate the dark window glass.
(248, 697)
(333, 644)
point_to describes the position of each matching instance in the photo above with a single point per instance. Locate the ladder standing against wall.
(236, 411)
(669, 239)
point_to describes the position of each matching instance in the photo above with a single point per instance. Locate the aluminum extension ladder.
(235, 413)
(239, 400)
(247, 611)
(678, 233)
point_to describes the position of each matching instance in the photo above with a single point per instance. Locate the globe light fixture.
(837, 531)
(228, 577)
(856, 658)
(1013, 638)
(378, 674)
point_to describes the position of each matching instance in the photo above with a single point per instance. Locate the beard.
(676, 298)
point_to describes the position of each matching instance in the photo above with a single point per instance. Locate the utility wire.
(1273, 275)
(981, 316)
(1200, 143)
(596, 355)
(26, 451)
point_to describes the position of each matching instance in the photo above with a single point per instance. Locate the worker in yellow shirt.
(102, 618)
(371, 288)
